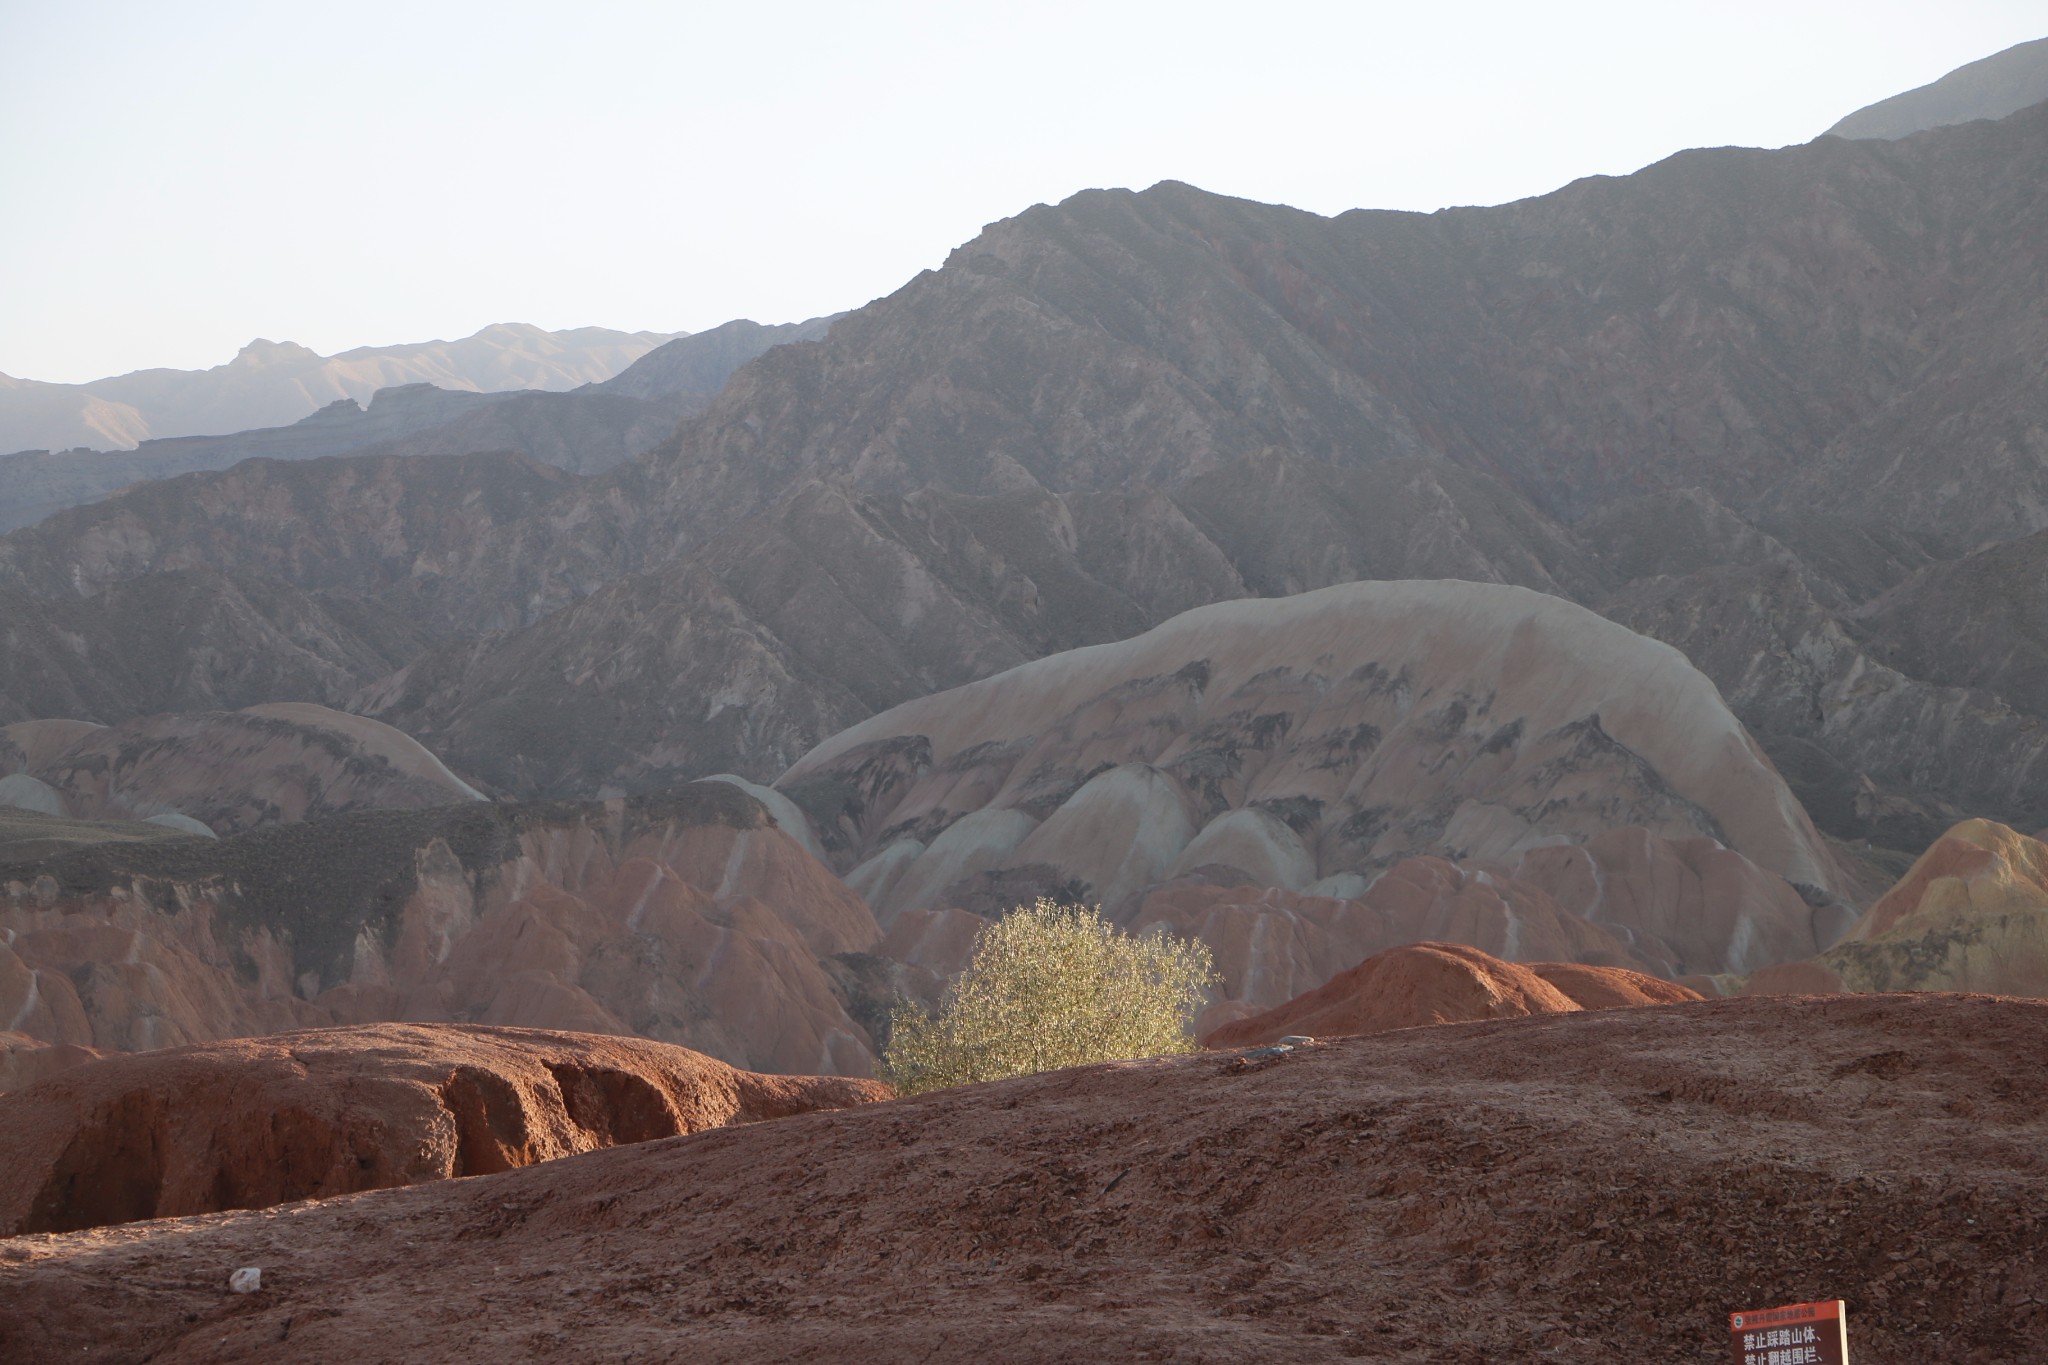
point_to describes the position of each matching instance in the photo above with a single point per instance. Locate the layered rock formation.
(1569, 903)
(1443, 983)
(230, 771)
(1970, 915)
(1589, 1183)
(1271, 944)
(687, 918)
(249, 1123)
(1242, 771)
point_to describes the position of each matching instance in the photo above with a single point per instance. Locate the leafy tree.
(1050, 986)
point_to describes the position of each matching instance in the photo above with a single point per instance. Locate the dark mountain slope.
(273, 581)
(1980, 621)
(1717, 320)
(1872, 751)
(366, 525)
(697, 366)
(189, 640)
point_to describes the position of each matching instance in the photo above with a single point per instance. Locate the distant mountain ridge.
(272, 383)
(1999, 85)
(585, 430)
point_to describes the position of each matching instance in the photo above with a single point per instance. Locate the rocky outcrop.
(1263, 760)
(1588, 1183)
(1442, 983)
(251, 1122)
(688, 918)
(26, 746)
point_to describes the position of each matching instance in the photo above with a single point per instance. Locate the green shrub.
(1049, 986)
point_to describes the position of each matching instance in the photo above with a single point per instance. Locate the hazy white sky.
(176, 179)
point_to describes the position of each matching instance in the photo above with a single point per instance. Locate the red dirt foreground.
(1601, 1185)
(1444, 983)
(252, 1122)
(25, 1060)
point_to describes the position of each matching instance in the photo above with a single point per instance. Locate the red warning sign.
(1796, 1334)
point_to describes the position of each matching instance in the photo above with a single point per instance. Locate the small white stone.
(247, 1280)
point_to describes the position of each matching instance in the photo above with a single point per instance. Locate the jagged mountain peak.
(263, 352)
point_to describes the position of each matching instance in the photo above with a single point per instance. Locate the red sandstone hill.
(1606, 988)
(1443, 983)
(1600, 1185)
(252, 1122)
